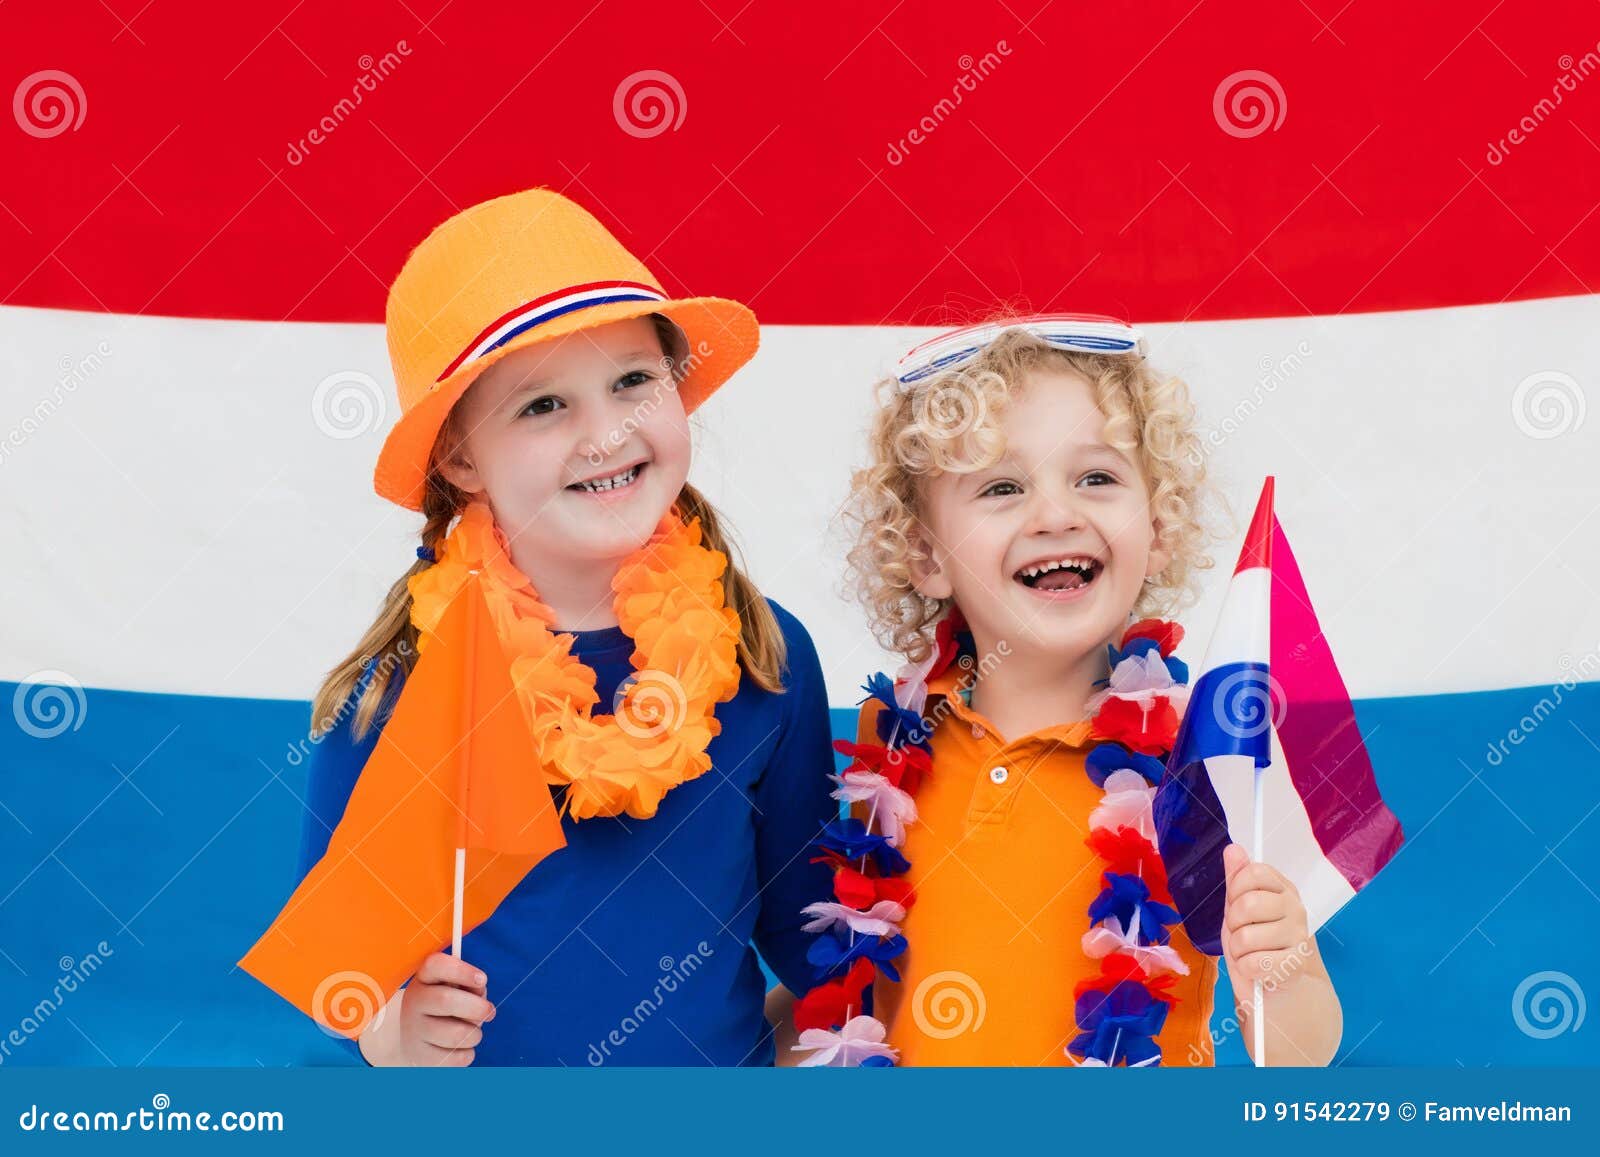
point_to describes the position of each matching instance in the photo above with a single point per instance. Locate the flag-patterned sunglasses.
(1089, 332)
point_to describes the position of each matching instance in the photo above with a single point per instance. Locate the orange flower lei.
(669, 601)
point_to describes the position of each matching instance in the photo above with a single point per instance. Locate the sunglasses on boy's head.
(1090, 333)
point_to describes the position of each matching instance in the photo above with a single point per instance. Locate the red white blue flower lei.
(1121, 1009)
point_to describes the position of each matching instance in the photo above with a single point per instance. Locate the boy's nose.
(1053, 512)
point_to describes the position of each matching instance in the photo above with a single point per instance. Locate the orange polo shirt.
(1003, 884)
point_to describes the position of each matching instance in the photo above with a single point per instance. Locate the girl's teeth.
(611, 483)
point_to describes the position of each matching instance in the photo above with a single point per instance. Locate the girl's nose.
(599, 437)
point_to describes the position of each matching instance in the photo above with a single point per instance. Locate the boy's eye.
(634, 378)
(999, 490)
(546, 404)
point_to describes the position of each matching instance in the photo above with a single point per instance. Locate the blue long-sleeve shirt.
(633, 944)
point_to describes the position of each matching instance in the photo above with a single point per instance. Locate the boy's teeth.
(611, 483)
(1060, 574)
(1045, 567)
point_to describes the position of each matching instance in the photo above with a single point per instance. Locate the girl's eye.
(547, 404)
(1109, 480)
(634, 378)
(1000, 490)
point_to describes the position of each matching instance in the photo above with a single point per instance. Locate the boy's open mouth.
(1068, 573)
(606, 484)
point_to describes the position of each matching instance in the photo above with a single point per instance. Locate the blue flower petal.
(851, 839)
(832, 952)
(1122, 896)
(1109, 757)
(897, 727)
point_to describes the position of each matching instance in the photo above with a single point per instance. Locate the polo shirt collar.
(1071, 734)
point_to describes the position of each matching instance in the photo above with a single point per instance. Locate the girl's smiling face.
(580, 445)
(1049, 547)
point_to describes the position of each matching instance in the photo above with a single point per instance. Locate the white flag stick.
(455, 912)
(1258, 1012)
(468, 724)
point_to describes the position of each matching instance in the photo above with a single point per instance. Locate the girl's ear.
(450, 457)
(928, 577)
(459, 471)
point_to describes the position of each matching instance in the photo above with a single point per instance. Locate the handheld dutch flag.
(1269, 755)
(447, 785)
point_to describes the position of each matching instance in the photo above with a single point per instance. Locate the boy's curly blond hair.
(949, 422)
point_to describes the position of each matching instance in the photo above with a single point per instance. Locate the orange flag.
(454, 767)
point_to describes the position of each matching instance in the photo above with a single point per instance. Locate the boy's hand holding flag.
(1269, 752)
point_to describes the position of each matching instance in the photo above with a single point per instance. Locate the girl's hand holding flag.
(1266, 937)
(436, 1020)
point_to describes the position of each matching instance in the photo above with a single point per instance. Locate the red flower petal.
(944, 640)
(1166, 634)
(1114, 969)
(898, 889)
(861, 891)
(1150, 729)
(852, 888)
(822, 1007)
(831, 1003)
(1119, 968)
(902, 766)
(1128, 852)
(830, 857)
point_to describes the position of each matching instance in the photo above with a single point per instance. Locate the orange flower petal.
(669, 601)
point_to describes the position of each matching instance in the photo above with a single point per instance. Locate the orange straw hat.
(506, 274)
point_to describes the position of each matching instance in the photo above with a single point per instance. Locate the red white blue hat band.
(545, 309)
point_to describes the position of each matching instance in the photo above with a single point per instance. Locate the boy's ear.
(928, 576)
(1160, 555)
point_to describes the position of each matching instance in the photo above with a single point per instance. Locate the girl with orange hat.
(545, 380)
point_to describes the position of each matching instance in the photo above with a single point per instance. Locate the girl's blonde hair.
(949, 423)
(390, 643)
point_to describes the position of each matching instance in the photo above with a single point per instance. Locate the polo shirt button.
(977, 731)
(998, 775)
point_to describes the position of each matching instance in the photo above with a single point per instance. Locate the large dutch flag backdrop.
(1367, 235)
